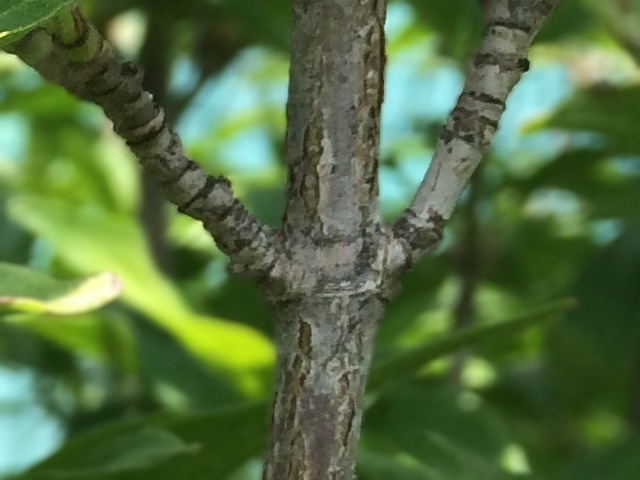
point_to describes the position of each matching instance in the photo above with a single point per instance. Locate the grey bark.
(329, 270)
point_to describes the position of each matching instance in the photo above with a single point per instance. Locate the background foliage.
(172, 380)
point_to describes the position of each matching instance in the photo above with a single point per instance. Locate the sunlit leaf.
(25, 290)
(92, 239)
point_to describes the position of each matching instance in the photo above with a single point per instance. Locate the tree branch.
(70, 52)
(495, 69)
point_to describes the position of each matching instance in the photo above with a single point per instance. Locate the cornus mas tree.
(331, 267)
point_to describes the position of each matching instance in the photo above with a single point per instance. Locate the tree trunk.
(324, 349)
(332, 238)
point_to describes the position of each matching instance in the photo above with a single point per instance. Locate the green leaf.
(419, 287)
(606, 191)
(607, 111)
(417, 417)
(569, 19)
(105, 338)
(377, 466)
(176, 378)
(466, 464)
(216, 444)
(25, 290)
(19, 16)
(87, 238)
(459, 23)
(121, 453)
(408, 362)
(618, 462)
(592, 353)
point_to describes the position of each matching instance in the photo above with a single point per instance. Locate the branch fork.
(332, 266)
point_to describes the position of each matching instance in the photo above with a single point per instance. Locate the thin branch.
(69, 51)
(495, 69)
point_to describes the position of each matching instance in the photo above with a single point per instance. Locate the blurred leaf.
(621, 19)
(533, 258)
(217, 443)
(414, 416)
(174, 376)
(25, 290)
(606, 189)
(252, 310)
(619, 462)
(89, 239)
(459, 23)
(102, 337)
(69, 154)
(569, 19)
(408, 362)
(466, 464)
(266, 203)
(20, 16)
(19, 347)
(266, 22)
(114, 456)
(592, 351)
(46, 102)
(419, 287)
(607, 111)
(378, 466)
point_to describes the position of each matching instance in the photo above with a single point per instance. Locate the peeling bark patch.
(511, 25)
(333, 117)
(304, 338)
(419, 233)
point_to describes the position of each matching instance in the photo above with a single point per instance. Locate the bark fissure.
(322, 371)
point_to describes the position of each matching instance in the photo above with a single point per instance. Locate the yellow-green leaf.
(19, 16)
(25, 290)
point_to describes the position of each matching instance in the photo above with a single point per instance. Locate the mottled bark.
(324, 345)
(333, 117)
(334, 242)
(495, 69)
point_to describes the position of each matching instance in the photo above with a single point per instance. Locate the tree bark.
(324, 345)
(333, 239)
